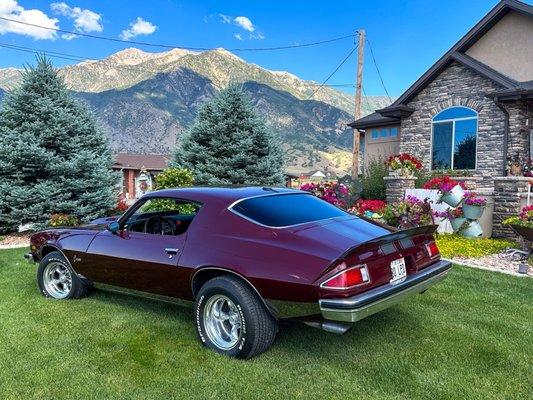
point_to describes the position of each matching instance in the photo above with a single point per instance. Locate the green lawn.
(469, 337)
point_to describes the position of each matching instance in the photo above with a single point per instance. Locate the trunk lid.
(357, 241)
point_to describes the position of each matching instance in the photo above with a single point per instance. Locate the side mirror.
(113, 227)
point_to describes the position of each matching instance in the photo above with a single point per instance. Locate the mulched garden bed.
(19, 239)
(496, 262)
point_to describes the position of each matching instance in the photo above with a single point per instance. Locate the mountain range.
(145, 101)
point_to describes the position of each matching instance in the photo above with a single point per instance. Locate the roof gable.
(457, 52)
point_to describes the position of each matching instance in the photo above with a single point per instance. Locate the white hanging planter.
(473, 212)
(454, 197)
(472, 230)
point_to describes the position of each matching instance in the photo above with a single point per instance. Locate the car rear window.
(286, 209)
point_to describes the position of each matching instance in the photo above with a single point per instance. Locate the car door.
(146, 261)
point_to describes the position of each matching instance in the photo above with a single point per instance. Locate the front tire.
(232, 320)
(57, 279)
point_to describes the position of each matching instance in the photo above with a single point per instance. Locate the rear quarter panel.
(268, 258)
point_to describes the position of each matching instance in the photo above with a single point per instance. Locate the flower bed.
(332, 192)
(404, 164)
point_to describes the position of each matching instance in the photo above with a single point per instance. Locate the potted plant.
(473, 206)
(451, 191)
(454, 215)
(403, 164)
(408, 213)
(522, 224)
(471, 229)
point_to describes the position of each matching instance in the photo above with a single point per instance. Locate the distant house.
(138, 172)
(313, 175)
(473, 108)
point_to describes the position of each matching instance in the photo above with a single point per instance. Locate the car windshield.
(286, 210)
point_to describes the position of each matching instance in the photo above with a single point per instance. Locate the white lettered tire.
(232, 320)
(57, 279)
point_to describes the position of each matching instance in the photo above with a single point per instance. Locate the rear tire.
(232, 320)
(57, 279)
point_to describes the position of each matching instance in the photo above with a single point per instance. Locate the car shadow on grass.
(294, 339)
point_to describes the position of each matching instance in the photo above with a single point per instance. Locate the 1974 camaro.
(246, 258)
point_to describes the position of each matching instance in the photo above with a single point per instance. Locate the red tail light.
(348, 278)
(432, 249)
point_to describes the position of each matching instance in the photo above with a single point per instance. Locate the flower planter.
(402, 173)
(457, 223)
(472, 230)
(454, 197)
(523, 231)
(473, 212)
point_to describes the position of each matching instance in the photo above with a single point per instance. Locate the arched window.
(454, 139)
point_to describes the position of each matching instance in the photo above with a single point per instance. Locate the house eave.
(486, 23)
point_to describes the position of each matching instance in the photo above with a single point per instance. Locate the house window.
(454, 139)
(383, 133)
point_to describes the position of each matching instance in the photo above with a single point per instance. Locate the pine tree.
(230, 144)
(53, 156)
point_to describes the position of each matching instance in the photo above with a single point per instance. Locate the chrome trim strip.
(230, 208)
(141, 294)
(364, 274)
(361, 306)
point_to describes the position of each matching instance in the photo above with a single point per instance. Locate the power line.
(377, 69)
(294, 46)
(71, 57)
(333, 73)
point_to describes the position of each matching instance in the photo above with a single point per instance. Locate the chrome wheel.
(57, 280)
(223, 322)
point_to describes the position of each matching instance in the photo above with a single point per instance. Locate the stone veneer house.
(471, 110)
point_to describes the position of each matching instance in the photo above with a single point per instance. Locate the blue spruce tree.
(53, 156)
(230, 144)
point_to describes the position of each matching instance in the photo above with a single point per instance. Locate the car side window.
(162, 216)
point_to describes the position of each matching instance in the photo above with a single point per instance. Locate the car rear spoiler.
(391, 237)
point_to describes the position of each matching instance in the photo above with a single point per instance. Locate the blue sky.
(407, 36)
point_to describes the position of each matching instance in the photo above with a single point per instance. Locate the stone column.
(510, 195)
(395, 187)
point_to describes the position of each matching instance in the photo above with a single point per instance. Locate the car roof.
(227, 195)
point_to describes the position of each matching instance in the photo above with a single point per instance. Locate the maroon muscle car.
(246, 258)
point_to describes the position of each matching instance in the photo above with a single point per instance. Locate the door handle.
(170, 250)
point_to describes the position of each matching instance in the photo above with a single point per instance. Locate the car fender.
(223, 271)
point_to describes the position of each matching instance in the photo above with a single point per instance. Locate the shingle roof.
(496, 14)
(374, 119)
(153, 162)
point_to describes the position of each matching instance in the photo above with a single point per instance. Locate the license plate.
(398, 271)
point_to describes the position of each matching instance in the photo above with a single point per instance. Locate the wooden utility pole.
(357, 111)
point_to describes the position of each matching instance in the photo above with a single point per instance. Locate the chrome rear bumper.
(357, 307)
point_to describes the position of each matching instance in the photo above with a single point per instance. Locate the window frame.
(239, 214)
(452, 120)
(382, 139)
(124, 218)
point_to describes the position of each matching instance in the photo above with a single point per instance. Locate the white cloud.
(138, 27)
(84, 20)
(244, 23)
(257, 35)
(226, 19)
(238, 36)
(10, 9)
